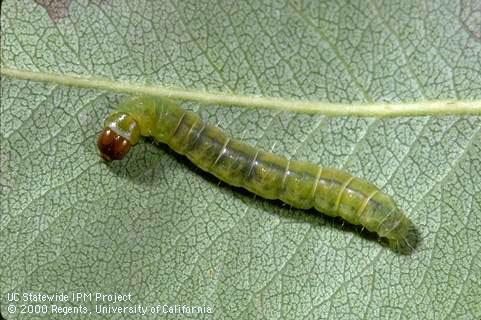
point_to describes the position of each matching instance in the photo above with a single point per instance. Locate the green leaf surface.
(158, 228)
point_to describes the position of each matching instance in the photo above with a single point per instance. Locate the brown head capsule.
(112, 146)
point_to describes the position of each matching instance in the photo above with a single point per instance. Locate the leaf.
(160, 229)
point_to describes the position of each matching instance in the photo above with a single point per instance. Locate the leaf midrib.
(378, 109)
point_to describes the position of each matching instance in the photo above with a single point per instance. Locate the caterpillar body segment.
(299, 183)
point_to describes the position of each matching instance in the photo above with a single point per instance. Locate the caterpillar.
(300, 184)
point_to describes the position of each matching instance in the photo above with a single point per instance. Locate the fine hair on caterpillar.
(301, 184)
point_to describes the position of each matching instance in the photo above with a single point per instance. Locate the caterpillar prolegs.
(299, 183)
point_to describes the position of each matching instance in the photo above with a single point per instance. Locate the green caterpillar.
(299, 183)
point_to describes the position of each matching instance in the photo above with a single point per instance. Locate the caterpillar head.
(120, 132)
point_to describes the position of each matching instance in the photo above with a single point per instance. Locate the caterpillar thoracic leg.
(299, 183)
